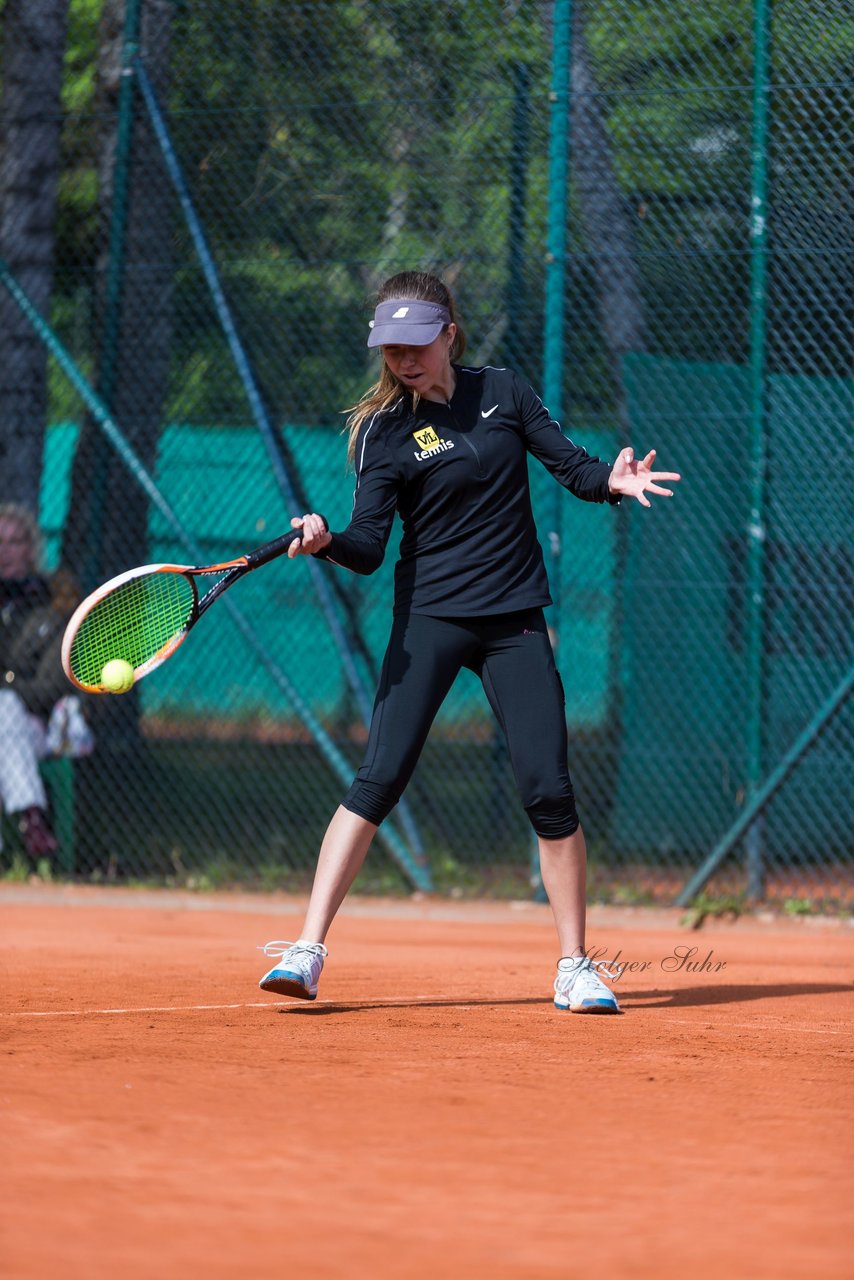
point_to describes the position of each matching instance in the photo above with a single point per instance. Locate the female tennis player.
(447, 447)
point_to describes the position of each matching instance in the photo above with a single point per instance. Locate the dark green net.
(133, 622)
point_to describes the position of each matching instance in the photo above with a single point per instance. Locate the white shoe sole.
(603, 1007)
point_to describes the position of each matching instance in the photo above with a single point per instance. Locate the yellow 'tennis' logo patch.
(427, 438)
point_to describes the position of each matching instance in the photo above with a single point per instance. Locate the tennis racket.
(145, 614)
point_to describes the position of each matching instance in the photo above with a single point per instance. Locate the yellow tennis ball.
(117, 676)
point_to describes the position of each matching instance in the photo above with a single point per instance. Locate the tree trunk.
(608, 229)
(107, 528)
(34, 43)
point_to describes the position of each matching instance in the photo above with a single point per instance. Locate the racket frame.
(231, 571)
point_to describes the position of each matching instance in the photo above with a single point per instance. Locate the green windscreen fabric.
(653, 649)
(219, 482)
(685, 698)
(582, 621)
(669, 675)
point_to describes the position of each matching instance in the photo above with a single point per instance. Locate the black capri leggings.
(512, 655)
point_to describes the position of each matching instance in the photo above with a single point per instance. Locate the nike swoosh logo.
(489, 412)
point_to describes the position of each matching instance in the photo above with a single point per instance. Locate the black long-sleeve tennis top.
(457, 475)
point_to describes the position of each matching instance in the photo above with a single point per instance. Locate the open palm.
(637, 479)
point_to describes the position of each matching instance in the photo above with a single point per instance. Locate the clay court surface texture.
(431, 1115)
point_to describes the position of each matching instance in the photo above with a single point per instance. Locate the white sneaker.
(297, 969)
(579, 988)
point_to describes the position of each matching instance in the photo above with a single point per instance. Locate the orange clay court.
(431, 1115)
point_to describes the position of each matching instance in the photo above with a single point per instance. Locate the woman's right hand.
(315, 535)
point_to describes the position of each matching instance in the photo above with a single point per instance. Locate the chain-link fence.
(232, 183)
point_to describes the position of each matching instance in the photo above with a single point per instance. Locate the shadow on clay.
(686, 997)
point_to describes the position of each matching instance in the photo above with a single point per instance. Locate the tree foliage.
(330, 142)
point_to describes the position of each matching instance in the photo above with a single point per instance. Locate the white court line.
(163, 1008)
(192, 1008)
(397, 1001)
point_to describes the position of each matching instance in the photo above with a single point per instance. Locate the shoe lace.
(587, 972)
(275, 950)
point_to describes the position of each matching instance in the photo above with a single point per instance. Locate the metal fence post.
(558, 206)
(111, 324)
(555, 294)
(757, 532)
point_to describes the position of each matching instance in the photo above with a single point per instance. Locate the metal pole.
(555, 293)
(259, 412)
(514, 293)
(111, 316)
(119, 214)
(758, 429)
(417, 872)
(558, 201)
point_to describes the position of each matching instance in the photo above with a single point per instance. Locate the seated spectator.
(32, 620)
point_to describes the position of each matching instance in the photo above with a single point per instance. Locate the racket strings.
(133, 622)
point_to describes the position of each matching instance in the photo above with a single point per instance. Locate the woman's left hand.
(637, 479)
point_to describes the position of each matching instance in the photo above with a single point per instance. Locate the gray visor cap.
(407, 322)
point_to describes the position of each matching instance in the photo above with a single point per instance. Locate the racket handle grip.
(270, 550)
